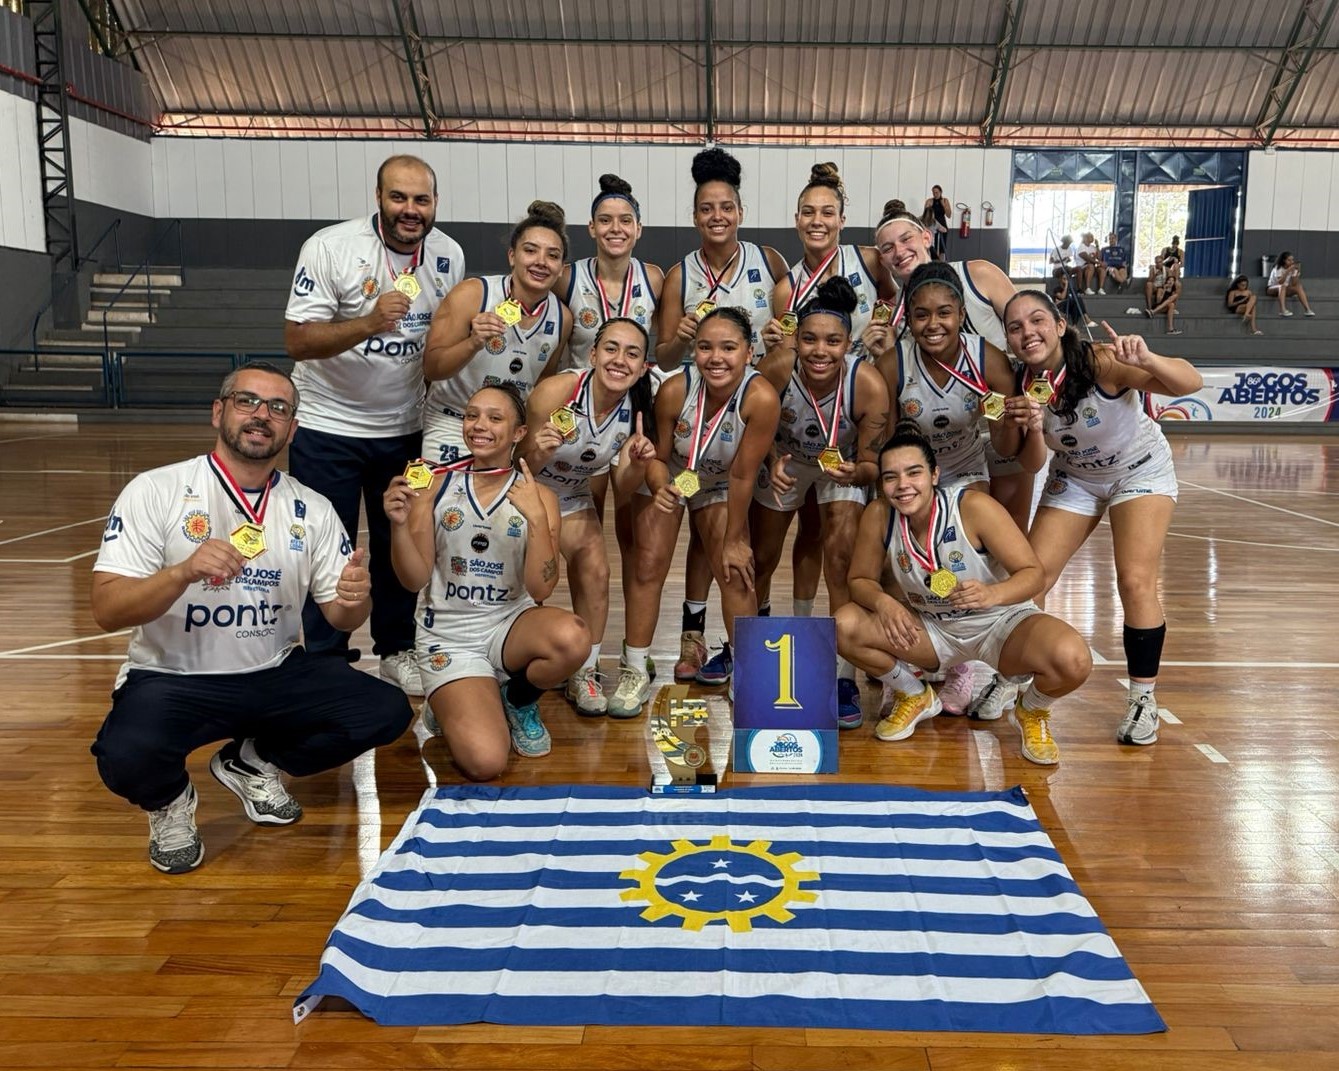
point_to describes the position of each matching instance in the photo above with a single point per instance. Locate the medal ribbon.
(1056, 379)
(810, 281)
(466, 464)
(414, 260)
(256, 513)
(829, 429)
(976, 381)
(700, 442)
(625, 302)
(715, 282)
(506, 290)
(929, 560)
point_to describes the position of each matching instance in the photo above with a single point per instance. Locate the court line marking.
(35, 438)
(64, 643)
(48, 531)
(1253, 543)
(62, 658)
(1256, 502)
(1211, 753)
(47, 561)
(1099, 659)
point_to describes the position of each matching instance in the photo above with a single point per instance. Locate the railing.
(112, 229)
(173, 227)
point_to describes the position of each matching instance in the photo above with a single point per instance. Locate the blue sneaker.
(719, 668)
(849, 714)
(528, 735)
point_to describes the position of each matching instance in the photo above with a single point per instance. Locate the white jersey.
(852, 265)
(982, 319)
(800, 432)
(947, 416)
(517, 356)
(375, 389)
(479, 574)
(749, 288)
(588, 307)
(952, 552)
(590, 451)
(716, 459)
(1109, 436)
(250, 622)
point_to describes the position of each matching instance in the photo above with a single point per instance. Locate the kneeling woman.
(834, 414)
(581, 423)
(1109, 456)
(970, 576)
(715, 421)
(483, 540)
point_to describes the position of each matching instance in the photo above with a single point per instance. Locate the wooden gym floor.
(1212, 857)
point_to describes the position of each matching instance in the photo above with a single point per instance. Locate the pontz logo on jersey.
(370, 287)
(453, 518)
(395, 347)
(250, 620)
(514, 525)
(588, 318)
(1281, 388)
(459, 567)
(476, 593)
(195, 526)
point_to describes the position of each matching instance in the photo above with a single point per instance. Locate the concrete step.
(213, 338)
(275, 280)
(57, 351)
(56, 375)
(155, 277)
(221, 315)
(118, 314)
(102, 296)
(91, 333)
(193, 297)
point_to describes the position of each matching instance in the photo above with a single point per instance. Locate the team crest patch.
(370, 287)
(638, 311)
(195, 526)
(620, 439)
(459, 567)
(514, 525)
(903, 561)
(911, 408)
(453, 518)
(444, 265)
(681, 429)
(788, 416)
(439, 660)
(588, 318)
(297, 533)
(1056, 486)
(495, 344)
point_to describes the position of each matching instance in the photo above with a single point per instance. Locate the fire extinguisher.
(989, 210)
(964, 220)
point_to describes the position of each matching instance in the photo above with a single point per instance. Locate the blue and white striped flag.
(819, 906)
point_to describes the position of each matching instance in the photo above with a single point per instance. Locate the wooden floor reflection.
(1213, 857)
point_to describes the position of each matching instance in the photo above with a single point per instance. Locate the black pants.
(306, 715)
(345, 470)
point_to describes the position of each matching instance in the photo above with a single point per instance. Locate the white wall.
(20, 177)
(1292, 191)
(111, 169)
(492, 182)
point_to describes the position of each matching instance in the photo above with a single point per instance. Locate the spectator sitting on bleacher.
(1062, 256)
(1241, 300)
(1113, 266)
(1088, 262)
(1174, 251)
(1066, 299)
(1162, 291)
(1285, 279)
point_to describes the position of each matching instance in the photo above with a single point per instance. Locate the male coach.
(362, 301)
(209, 561)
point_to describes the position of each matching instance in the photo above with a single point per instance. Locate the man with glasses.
(209, 561)
(362, 299)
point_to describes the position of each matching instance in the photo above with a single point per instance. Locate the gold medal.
(408, 285)
(565, 421)
(509, 312)
(419, 475)
(830, 460)
(688, 483)
(1041, 391)
(942, 582)
(992, 405)
(248, 540)
(789, 322)
(883, 314)
(703, 307)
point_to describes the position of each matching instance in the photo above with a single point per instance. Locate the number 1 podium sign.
(785, 695)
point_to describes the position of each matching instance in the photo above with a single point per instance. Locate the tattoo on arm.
(551, 570)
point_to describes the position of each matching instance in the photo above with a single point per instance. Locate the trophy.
(681, 734)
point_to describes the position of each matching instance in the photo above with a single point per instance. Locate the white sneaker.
(401, 669)
(1308, 312)
(995, 698)
(1101, 291)
(175, 846)
(258, 785)
(584, 692)
(1286, 312)
(1140, 724)
(634, 685)
(1089, 292)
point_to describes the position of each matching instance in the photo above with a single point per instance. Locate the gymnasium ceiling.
(955, 72)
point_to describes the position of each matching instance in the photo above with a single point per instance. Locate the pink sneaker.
(956, 691)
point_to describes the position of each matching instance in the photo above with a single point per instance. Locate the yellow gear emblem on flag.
(693, 882)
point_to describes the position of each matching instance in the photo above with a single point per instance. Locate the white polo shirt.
(375, 389)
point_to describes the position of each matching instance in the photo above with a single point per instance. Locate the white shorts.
(995, 464)
(806, 476)
(978, 636)
(470, 651)
(575, 501)
(1092, 495)
(443, 437)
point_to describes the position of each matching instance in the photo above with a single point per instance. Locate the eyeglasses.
(279, 408)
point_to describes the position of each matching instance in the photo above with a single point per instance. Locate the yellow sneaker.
(905, 712)
(1034, 726)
